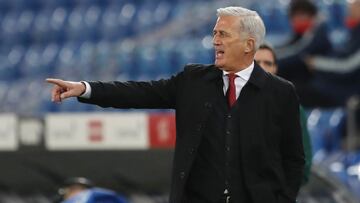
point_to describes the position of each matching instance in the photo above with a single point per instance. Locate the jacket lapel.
(214, 86)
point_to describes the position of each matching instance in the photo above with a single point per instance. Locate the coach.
(238, 131)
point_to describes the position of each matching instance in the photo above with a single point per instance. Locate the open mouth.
(219, 54)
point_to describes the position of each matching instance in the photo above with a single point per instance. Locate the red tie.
(231, 93)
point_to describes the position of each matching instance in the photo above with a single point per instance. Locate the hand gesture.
(65, 89)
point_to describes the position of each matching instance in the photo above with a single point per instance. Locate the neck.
(244, 63)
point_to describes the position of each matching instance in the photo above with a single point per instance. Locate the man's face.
(354, 9)
(266, 60)
(228, 43)
(302, 22)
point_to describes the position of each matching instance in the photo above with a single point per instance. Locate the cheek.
(237, 51)
(266, 68)
(238, 47)
(272, 70)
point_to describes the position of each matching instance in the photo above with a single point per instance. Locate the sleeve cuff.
(87, 93)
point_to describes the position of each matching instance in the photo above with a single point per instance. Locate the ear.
(250, 45)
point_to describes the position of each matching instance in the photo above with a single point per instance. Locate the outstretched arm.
(131, 94)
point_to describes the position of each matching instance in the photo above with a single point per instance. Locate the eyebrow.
(221, 32)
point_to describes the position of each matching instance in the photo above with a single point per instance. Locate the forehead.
(227, 23)
(264, 54)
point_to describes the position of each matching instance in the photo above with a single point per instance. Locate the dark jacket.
(271, 144)
(291, 63)
(338, 74)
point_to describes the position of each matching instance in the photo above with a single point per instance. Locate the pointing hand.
(65, 89)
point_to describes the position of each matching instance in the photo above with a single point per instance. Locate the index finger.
(55, 81)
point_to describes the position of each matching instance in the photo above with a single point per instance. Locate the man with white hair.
(238, 130)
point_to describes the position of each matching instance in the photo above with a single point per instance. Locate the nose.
(216, 41)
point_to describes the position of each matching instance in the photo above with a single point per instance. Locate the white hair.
(250, 22)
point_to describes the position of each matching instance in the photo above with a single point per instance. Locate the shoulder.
(194, 68)
(201, 71)
(280, 83)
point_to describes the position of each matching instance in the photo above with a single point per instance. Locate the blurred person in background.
(338, 73)
(83, 190)
(265, 56)
(309, 37)
(230, 147)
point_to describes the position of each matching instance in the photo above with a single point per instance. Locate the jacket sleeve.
(337, 64)
(152, 94)
(292, 150)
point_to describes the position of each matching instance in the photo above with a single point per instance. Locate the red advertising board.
(162, 130)
(95, 130)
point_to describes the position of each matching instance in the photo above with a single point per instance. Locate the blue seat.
(9, 32)
(337, 163)
(24, 25)
(167, 57)
(66, 63)
(17, 4)
(326, 129)
(144, 19)
(75, 25)
(41, 27)
(191, 50)
(162, 13)
(147, 62)
(337, 126)
(345, 166)
(4, 6)
(116, 21)
(31, 65)
(106, 67)
(86, 60)
(56, 3)
(127, 16)
(15, 97)
(126, 60)
(92, 17)
(10, 60)
(336, 13)
(58, 18)
(48, 57)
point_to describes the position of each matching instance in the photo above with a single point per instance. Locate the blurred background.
(130, 151)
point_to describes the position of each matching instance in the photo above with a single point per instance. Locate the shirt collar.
(244, 73)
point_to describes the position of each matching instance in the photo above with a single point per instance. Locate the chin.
(219, 65)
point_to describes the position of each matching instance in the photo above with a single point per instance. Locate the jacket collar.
(214, 74)
(258, 76)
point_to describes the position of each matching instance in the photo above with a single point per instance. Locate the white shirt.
(240, 81)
